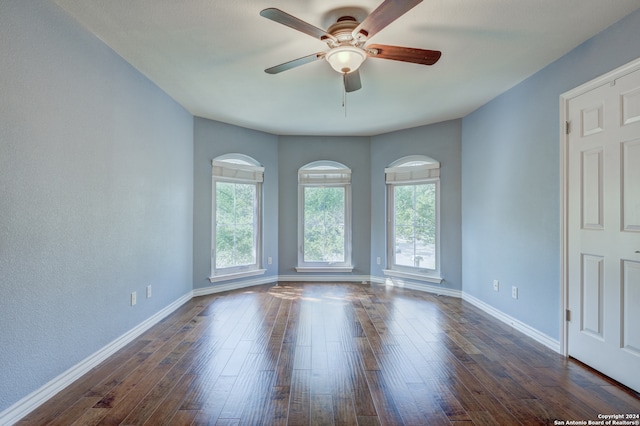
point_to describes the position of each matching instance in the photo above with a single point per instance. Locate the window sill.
(236, 275)
(312, 269)
(413, 276)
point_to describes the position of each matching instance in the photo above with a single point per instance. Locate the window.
(413, 218)
(324, 217)
(236, 222)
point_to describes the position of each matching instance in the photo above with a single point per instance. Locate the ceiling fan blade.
(292, 22)
(404, 54)
(295, 63)
(386, 13)
(352, 81)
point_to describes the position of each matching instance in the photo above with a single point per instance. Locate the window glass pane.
(415, 225)
(224, 246)
(245, 251)
(224, 202)
(404, 205)
(245, 199)
(324, 233)
(235, 224)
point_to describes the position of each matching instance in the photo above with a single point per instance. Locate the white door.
(604, 229)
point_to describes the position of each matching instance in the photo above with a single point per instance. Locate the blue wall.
(105, 187)
(295, 152)
(366, 157)
(212, 139)
(96, 196)
(511, 181)
(441, 142)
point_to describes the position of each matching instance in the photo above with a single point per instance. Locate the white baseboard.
(234, 285)
(529, 331)
(402, 283)
(36, 398)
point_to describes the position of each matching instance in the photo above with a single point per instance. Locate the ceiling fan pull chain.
(344, 93)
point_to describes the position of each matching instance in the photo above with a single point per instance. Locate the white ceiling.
(210, 56)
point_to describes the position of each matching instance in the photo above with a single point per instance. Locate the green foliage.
(324, 233)
(235, 222)
(415, 222)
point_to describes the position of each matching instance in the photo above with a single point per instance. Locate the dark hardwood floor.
(334, 353)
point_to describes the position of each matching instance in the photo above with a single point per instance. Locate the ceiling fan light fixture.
(346, 59)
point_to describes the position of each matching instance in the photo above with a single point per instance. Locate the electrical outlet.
(269, 260)
(149, 291)
(514, 292)
(133, 298)
(378, 260)
(496, 285)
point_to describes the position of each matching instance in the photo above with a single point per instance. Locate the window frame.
(237, 169)
(411, 171)
(324, 173)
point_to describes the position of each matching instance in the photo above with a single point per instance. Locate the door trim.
(608, 78)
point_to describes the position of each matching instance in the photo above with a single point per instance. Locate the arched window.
(236, 222)
(324, 217)
(413, 241)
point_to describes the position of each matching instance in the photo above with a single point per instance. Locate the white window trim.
(324, 173)
(427, 170)
(237, 168)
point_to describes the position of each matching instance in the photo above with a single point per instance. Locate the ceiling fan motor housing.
(347, 54)
(343, 29)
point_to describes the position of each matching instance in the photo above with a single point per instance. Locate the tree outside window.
(415, 225)
(324, 217)
(413, 207)
(235, 223)
(324, 224)
(236, 219)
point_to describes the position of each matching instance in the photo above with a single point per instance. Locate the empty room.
(378, 212)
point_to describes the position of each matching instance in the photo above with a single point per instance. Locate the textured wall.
(98, 173)
(212, 139)
(367, 158)
(441, 142)
(96, 196)
(511, 181)
(295, 152)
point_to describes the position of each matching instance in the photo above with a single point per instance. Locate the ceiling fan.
(347, 40)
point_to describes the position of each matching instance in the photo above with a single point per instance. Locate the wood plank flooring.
(333, 353)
